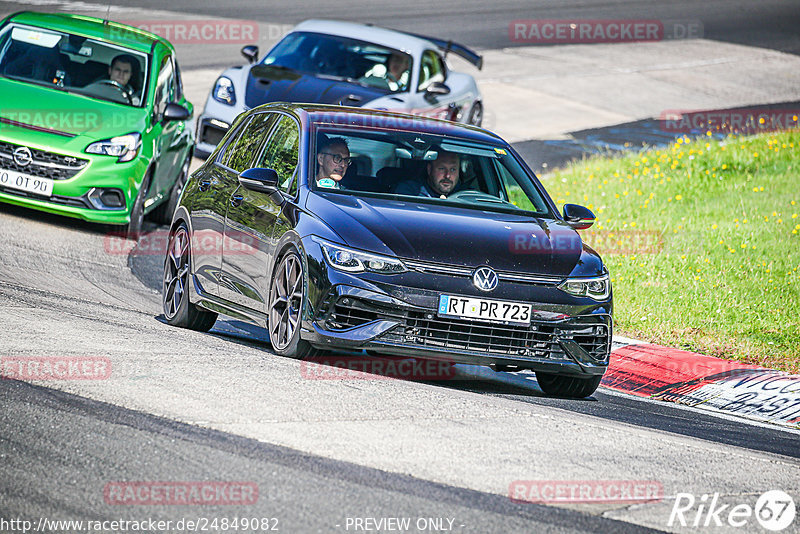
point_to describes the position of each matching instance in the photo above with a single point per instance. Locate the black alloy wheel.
(175, 293)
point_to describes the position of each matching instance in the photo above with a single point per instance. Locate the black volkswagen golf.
(343, 228)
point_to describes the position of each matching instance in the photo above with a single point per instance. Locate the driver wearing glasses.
(333, 159)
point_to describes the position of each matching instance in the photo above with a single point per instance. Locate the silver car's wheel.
(285, 302)
(476, 115)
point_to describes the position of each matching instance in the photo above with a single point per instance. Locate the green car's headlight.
(597, 287)
(355, 261)
(124, 147)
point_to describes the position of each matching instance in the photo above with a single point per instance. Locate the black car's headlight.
(125, 147)
(224, 91)
(355, 261)
(597, 287)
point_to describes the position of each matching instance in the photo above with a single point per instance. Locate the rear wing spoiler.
(459, 50)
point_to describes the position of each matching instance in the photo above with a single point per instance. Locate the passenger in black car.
(442, 179)
(333, 159)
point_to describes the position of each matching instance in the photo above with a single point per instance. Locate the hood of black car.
(454, 235)
(267, 83)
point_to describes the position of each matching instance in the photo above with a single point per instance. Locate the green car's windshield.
(423, 168)
(73, 63)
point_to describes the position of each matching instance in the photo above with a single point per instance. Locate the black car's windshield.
(422, 168)
(343, 58)
(73, 63)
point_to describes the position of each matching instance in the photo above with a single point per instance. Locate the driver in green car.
(121, 70)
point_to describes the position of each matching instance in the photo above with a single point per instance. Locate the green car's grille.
(44, 164)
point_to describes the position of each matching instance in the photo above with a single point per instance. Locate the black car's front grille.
(44, 164)
(428, 330)
(344, 317)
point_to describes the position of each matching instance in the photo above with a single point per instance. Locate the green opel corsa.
(93, 120)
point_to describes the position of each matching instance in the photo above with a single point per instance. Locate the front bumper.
(76, 184)
(213, 124)
(576, 343)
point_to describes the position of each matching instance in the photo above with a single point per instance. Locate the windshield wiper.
(337, 78)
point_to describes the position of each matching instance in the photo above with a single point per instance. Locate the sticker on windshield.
(500, 151)
(327, 182)
(38, 38)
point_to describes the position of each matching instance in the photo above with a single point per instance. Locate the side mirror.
(578, 217)
(437, 88)
(250, 52)
(260, 179)
(175, 112)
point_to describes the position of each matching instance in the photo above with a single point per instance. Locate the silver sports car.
(357, 65)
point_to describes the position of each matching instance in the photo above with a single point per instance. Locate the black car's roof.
(368, 118)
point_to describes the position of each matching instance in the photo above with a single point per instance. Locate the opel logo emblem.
(484, 279)
(23, 156)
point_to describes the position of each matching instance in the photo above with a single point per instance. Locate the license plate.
(26, 182)
(495, 311)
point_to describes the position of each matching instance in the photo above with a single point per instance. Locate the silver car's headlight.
(125, 147)
(597, 287)
(355, 261)
(224, 91)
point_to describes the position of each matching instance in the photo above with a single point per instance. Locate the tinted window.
(52, 58)
(240, 156)
(179, 80)
(427, 168)
(280, 153)
(431, 70)
(167, 87)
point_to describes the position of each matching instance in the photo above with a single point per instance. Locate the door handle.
(236, 200)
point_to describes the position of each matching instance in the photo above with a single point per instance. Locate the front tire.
(286, 297)
(568, 386)
(175, 291)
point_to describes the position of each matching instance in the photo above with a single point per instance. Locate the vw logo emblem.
(484, 279)
(23, 156)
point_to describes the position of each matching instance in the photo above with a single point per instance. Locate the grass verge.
(702, 240)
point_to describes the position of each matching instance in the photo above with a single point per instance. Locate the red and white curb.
(705, 382)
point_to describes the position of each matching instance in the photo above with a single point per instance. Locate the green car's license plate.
(26, 182)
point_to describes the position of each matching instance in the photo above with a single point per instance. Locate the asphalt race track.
(338, 455)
